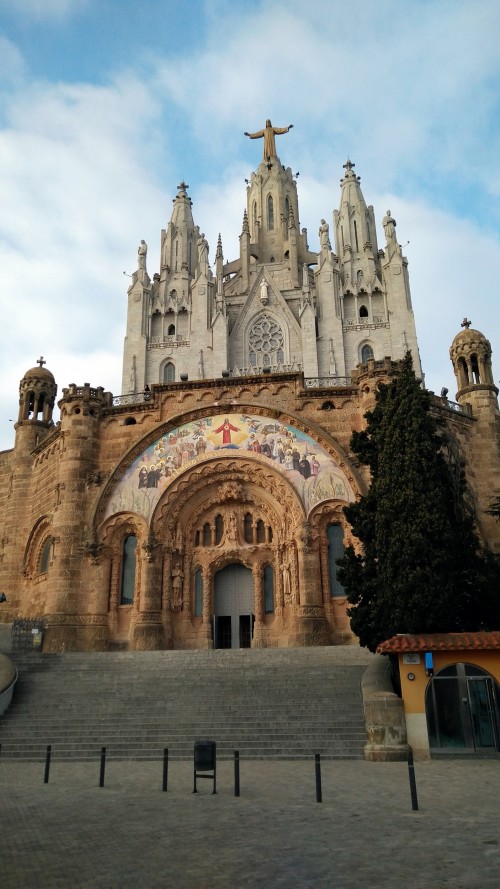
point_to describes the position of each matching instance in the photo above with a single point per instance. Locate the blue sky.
(106, 106)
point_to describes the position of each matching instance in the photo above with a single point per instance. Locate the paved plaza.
(72, 834)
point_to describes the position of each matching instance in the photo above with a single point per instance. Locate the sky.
(106, 105)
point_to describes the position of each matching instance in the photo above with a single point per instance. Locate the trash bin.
(205, 760)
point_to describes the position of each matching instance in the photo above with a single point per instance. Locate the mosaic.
(312, 471)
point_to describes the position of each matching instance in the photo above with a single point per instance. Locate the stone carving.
(264, 292)
(141, 255)
(177, 591)
(268, 134)
(179, 541)
(285, 579)
(202, 245)
(389, 228)
(324, 235)
(232, 528)
(231, 491)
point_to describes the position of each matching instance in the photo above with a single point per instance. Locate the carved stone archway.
(235, 510)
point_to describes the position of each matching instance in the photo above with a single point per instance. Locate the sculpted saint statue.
(268, 134)
(389, 227)
(202, 245)
(324, 234)
(141, 255)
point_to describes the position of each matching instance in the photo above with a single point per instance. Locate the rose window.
(266, 342)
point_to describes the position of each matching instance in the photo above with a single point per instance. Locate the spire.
(219, 254)
(355, 233)
(245, 227)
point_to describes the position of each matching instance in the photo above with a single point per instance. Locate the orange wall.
(413, 692)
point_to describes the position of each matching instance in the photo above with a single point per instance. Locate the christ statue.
(268, 134)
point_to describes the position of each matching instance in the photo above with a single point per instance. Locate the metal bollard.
(413, 785)
(317, 766)
(103, 766)
(165, 770)
(47, 764)
(236, 772)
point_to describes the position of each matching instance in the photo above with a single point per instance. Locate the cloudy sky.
(105, 105)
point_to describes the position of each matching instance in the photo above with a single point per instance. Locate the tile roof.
(440, 642)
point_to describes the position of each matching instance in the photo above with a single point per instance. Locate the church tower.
(279, 306)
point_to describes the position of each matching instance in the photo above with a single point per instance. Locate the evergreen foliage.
(422, 568)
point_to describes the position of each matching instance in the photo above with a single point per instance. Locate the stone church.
(203, 506)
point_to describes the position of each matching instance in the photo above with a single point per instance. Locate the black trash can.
(205, 760)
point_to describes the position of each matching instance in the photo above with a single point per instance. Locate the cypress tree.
(422, 568)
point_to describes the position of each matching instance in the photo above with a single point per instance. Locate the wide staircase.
(266, 703)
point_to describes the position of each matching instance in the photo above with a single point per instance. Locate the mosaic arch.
(307, 465)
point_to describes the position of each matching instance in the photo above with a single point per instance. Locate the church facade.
(203, 507)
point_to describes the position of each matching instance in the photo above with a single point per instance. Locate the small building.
(450, 686)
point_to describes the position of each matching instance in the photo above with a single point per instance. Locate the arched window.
(474, 366)
(270, 212)
(268, 589)
(197, 537)
(219, 528)
(463, 372)
(366, 353)
(363, 312)
(207, 534)
(169, 373)
(198, 593)
(254, 214)
(171, 330)
(45, 556)
(261, 532)
(335, 536)
(127, 580)
(248, 528)
(356, 236)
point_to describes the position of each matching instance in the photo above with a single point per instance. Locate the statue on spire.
(268, 134)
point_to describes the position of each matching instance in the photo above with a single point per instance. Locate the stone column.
(207, 606)
(148, 630)
(312, 625)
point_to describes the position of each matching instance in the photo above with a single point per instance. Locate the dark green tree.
(422, 568)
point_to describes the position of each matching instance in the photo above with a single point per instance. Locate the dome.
(470, 338)
(40, 372)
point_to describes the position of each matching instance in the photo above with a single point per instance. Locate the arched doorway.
(462, 708)
(233, 607)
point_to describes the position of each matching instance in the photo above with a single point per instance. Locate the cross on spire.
(41, 361)
(348, 165)
(466, 324)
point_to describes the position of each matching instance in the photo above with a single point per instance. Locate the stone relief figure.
(285, 580)
(177, 578)
(232, 528)
(264, 292)
(332, 365)
(324, 234)
(133, 375)
(141, 255)
(268, 134)
(201, 366)
(179, 541)
(389, 228)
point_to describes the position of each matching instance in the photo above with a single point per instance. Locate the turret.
(37, 393)
(470, 354)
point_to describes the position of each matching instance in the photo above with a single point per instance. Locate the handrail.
(6, 693)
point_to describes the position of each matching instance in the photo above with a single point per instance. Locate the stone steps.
(266, 703)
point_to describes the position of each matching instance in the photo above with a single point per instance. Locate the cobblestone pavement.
(72, 834)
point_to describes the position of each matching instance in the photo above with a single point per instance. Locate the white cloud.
(75, 188)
